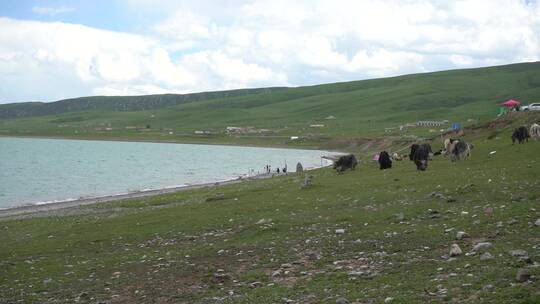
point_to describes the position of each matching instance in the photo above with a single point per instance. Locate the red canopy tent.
(510, 103)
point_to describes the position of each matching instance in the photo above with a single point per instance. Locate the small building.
(431, 123)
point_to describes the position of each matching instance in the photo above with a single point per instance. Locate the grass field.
(270, 241)
(362, 109)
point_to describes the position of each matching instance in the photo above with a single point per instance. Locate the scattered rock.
(512, 221)
(488, 287)
(523, 275)
(482, 246)
(256, 284)
(518, 253)
(460, 235)
(455, 250)
(342, 301)
(437, 195)
(264, 221)
(486, 256)
(400, 217)
(221, 277)
(340, 231)
(388, 300)
(537, 223)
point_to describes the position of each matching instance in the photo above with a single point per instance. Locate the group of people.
(268, 169)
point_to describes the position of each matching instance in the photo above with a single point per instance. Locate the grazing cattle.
(459, 150)
(384, 160)
(520, 135)
(397, 157)
(447, 143)
(420, 155)
(345, 162)
(535, 131)
(414, 147)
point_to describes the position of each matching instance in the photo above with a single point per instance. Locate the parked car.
(531, 107)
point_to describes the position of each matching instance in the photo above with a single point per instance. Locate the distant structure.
(431, 123)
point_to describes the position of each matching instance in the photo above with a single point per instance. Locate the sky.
(51, 50)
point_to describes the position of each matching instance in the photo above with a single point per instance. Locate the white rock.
(460, 235)
(340, 231)
(482, 246)
(455, 250)
(537, 223)
(486, 256)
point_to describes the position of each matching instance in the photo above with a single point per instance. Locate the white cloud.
(202, 46)
(51, 11)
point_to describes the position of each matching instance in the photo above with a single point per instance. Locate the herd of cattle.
(420, 154)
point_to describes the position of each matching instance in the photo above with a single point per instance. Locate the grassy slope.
(363, 108)
(166, 249)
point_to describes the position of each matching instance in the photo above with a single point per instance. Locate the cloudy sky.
(51, 50)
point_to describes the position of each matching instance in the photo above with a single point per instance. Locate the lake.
(49, 170)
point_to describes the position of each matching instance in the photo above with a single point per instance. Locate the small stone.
(264, 221)
(488, 287)
(523, 275)
(340, 231)
(512, 222)
(518, 253)
(388, 300)
(221, 277)
(400, 217)
(537, 223)
(455, 250)
(342, 301)
(460, 235)
(486, 256)
(256, 284)
(482, 246)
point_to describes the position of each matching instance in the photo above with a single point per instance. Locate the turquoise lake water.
(47, 170)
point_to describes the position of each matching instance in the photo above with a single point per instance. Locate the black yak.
(414, 147)
(345, 162)
(384, 160)
(520, 135)
(420, 155)
(459, 150)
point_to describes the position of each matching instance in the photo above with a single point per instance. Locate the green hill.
(360, 108)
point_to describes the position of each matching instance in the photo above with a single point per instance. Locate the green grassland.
(363, 109)
(270, 241)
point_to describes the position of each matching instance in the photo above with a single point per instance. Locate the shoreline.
(30, 209)
(43, 207)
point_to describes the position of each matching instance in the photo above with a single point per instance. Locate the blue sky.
(51, 50)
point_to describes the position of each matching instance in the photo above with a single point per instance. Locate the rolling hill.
(357, 109)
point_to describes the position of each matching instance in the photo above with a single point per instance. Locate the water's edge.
(56, 205)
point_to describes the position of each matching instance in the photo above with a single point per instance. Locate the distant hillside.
(117, 103)
(327, 115)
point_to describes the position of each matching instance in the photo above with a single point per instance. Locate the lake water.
(46, 170)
